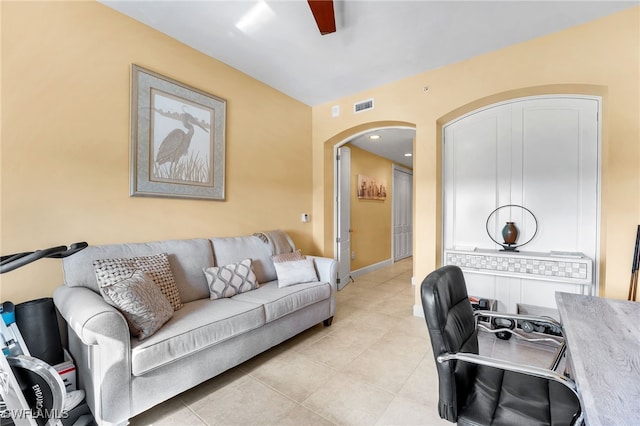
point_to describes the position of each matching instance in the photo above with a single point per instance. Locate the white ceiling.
(393, 144)
(376, 42)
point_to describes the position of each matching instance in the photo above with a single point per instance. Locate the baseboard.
(417, 311)
(371, 268)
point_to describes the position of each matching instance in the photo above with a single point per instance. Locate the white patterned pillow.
(109, 271)
(296, 272)
(140, 301)
(229, 280)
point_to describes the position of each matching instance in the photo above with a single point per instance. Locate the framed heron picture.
(177, 139)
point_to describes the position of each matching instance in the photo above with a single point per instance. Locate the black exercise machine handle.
(14, 261)
(74, 248)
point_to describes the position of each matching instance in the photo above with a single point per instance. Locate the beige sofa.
(124, 376)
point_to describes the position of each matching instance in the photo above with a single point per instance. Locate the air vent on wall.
(363, 106)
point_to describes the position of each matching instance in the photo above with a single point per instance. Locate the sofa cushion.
(110, 271)
(198, 325)
(235, 249)
(295, 272)
(279, 302)
(229, 280)
(186, 258)
(141, 302)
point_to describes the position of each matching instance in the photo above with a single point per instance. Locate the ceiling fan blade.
(323, 13)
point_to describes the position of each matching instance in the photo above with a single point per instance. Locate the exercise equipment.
(32, 390)
(37, 322)
(504, 326)
(33, 393)
(14, 261)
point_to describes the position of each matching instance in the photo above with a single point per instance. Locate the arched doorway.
(368, 229)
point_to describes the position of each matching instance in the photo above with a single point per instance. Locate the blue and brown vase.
(510, 233)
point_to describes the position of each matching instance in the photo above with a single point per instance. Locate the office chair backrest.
(452, 329)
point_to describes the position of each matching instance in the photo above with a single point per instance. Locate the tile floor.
(373, 366)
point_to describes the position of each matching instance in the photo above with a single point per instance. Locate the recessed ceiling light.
(374, 137)
(408, 154)
(255, 18)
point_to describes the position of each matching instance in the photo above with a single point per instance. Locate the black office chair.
(478, 390)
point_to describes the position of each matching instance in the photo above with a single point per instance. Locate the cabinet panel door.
(559, 172)
(476, 160)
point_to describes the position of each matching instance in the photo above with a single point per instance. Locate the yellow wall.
(65, 136)
(65, 141)
(598, 58)
(370, 219)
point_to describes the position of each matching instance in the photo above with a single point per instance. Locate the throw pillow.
(229, 280)
(296, 272)
(141, 302)
(109, 271)
(288, 257)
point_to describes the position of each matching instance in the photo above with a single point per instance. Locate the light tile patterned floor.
(373, 366)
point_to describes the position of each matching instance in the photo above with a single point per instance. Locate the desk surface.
(603, 338)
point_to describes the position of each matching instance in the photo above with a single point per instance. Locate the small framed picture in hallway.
(371, 188)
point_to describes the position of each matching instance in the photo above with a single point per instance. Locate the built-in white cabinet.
(541, 153)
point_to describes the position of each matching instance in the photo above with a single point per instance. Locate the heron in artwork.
(176, 144)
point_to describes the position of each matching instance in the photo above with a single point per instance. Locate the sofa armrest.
(89, 316)
(103, 353)
(327, 269)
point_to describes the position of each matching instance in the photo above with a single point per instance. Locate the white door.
(540, 153)
(343, 241)
(402, 213)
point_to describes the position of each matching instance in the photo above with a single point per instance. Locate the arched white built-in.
(541, 153)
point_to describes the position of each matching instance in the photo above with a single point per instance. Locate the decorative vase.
(510, 233)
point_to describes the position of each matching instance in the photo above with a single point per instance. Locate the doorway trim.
(343, 204)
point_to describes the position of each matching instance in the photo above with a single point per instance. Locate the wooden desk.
(603, 339)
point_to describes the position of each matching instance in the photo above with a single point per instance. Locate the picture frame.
(177, 139)
(371, 188)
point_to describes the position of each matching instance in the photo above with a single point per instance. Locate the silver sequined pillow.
(109, 271)
(140, 301)
(288, 257)
(229, 280)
